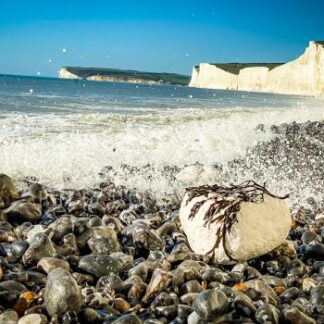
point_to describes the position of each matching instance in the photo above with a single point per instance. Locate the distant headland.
(302, 76)
(118, 75)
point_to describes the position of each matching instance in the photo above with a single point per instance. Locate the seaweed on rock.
(225, 205)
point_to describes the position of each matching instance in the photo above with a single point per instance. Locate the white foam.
(69, 150)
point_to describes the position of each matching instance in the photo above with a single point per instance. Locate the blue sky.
(39, 36)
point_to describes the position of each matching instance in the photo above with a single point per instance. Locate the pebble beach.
(113, 254)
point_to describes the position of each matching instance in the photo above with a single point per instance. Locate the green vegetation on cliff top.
(235, 68)
(170, 78)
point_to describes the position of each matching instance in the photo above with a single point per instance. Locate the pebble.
(210, 303)
(33, 319)
(267, 293)
(24, 211)
(62, 293)
(11, 290)
(40, 247)
(317, 298)
(48, 264)
(296, 268)
(25, 300)
(303, 305)
(293, 315)
(8, 191)
(315, 251)
(9, 317)
(244, 305)
(127, 319)
(194, 318)
(309, 237)
(267, 313)
(159, 281)
(289, 294)
(103, 264)
(308, 284)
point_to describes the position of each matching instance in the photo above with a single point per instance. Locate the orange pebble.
(240, 286)
(314, 230)
(24, 301)
(1, 273)
(293, 224)
(279, 289)
(121, 305)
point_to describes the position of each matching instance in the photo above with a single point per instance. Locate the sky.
(37, 37)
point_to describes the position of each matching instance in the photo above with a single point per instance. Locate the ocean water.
(69, 133)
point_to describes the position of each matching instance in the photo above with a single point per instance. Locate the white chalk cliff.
(302, 76)
(66, 74)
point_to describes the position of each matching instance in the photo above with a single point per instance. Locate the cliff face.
(65, 74)
(121, 79)
(303, 76)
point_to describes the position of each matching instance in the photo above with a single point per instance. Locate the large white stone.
(261, 227)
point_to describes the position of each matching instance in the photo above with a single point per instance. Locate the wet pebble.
(317, 298)
(9, 317)
(294, 315)
(244, 305)
(102, 264)
(33, 319)
(127, 319)
(309, 237)
(303, 305)
(315, 251)
(308, 284)
(289, 294)
(40, 247)
(23, 211)
(62, 293)
(48, 264)
(8, 191)
(267, 313)
(210, 303)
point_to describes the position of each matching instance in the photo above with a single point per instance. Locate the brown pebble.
(121, 305)
(279, 289)
(24, 302)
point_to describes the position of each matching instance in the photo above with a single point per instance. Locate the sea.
(75, 134)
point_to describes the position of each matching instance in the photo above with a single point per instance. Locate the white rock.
(33, 319)
(261, 227)
(194, 318)
(33, 231)
(9, 317)
(198, 174)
